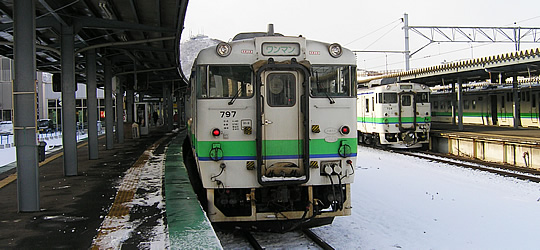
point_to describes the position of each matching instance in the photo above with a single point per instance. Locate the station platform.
(137, 195)
(499, 144)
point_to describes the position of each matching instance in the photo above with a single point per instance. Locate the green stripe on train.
(274, 147)
(480, 114)
(392, 120)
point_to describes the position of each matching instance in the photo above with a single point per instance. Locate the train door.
(493, 109)
(373, 114)
(407, 111)
(282, 140)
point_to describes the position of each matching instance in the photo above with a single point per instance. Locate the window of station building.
(224, 82)
(389, 98)
(281, 90)
(422, 97)
(334, 81)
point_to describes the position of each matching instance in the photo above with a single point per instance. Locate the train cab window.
(422, 97)
(334, 81)
(225, 82)
(281, 89)
(389, 98)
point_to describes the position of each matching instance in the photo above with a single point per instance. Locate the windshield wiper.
(329, 98)
(231, 102)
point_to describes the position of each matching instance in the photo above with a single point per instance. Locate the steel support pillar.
(515, 92)
(407, 52)
(24, 105)
(109, 116)
(170, 108)
(130, 101)
(120, 113)
(453, 101)
(91, 100)
(69, 119)
(165, 104)
(460, 104)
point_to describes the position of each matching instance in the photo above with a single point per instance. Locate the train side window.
(442, 105)
(502, 101)
(474, 104)
(202, 87)
(466, 104)
(533, 103)
(435, 105)
(528, 95)
(367, 105)
(372, 103)
(449, 105)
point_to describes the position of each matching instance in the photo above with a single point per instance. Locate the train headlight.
(216, 132)
(335, 50)
(223, 49)
(344, 130)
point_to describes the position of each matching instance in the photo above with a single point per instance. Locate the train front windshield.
(331, 81)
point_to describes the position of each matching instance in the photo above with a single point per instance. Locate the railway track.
(306, 232)
(511, 171)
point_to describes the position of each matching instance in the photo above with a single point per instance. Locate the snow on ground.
(8, 154)
(410, 203)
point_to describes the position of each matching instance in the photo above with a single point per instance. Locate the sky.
(367, 25)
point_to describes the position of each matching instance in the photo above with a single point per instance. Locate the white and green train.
(490, 104)
(396, 115)
(270, 121)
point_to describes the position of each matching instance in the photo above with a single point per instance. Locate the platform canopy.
(524, 63)
(135, 35)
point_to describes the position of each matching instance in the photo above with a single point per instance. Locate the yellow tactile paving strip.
(119, 211)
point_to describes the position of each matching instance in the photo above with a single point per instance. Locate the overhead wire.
(376, 30)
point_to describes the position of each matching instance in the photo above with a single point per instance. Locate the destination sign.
(281, 49)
